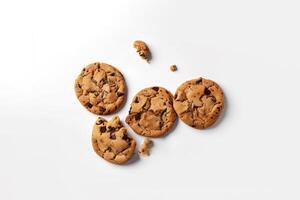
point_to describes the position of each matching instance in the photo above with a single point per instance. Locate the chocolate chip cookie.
(111, 141)
(199, 102)
(151, 113)
(100, 88)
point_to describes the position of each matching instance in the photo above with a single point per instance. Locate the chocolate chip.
(102, 109)
(155, 88)
(214, 99)
(206, 91)
(126, 138)
(199, 81)
(175, 96)
(89, 105)
(136, 100)
(102, 129)
(119, 94)
(99, 121)
(137, 116)
(111, 129)
(112, 136)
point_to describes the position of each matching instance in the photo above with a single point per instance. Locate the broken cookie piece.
(173, 68)
(142, 49)
(111, 141)
(145, 147)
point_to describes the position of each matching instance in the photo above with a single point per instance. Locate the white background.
(251, 48)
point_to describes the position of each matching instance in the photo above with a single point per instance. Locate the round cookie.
(151, 113)
(100, 88)
(111, 141)
(199, 102)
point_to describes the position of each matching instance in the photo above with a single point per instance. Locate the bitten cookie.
(151, 113)
(111, 141)
(100, 88)
(199, 102)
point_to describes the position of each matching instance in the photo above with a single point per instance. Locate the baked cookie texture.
(142, 49)
(199, 102)
(100, 88)
(111, 141)
(151, 113)
(145, 147)
(173, 68)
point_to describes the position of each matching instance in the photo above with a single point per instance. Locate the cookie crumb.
(173, 68)
(142, 49)
(145, 147)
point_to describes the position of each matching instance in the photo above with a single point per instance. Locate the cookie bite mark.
(145, 147)
(111, 141)
(142, 49)
(100, 88)
(199, 102)
(151, 113)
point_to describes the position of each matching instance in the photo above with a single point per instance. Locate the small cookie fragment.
(199, 102)
(173, 68)
(111, 141)
(145, 147)
(142, 49)
(100, 88)
(151, 113)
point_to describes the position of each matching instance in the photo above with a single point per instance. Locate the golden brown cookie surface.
(145, 147)
(173, 68)
(151, 113)
(111, 141)
(199, 102)
(100, 88)
(142, 49)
